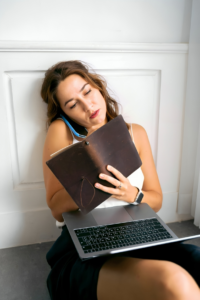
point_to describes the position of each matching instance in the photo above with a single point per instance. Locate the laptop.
(117, 229)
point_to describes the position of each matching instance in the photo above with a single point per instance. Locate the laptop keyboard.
(120, 235)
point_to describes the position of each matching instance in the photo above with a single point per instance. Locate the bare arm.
(61, 202)
(151, 187)
(58, 200)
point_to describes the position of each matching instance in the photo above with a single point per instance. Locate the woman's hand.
(123, 191)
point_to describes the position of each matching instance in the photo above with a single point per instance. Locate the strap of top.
(74, 139)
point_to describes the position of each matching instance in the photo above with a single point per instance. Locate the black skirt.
(70, 277)
(73, 279)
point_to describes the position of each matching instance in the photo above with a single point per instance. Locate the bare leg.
(138, 279)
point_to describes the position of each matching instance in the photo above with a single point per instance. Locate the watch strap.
(138, 198)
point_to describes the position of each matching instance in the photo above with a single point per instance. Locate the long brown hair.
(62, 70)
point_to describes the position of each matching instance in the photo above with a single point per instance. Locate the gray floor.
(23, 270)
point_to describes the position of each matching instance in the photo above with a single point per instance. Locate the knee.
(176, 284)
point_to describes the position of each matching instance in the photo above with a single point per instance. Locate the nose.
(87, 105)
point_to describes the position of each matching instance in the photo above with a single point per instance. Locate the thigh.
(185, 255)
(134, 278)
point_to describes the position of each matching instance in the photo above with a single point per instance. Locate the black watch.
(138, 198)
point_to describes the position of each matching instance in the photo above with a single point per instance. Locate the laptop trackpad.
(111, 215)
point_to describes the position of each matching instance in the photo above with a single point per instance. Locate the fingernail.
(108, 167)
(101, 175)
(96, 185)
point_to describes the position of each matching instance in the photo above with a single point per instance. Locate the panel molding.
(14, 46)
(17, 184)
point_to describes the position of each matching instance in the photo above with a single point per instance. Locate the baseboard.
(37, 226)
(24, 228)
(168, 212)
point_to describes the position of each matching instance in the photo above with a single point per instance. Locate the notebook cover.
(78, 166)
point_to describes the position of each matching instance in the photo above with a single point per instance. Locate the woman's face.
(83, 103)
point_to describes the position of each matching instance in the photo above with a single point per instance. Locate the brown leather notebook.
(78, 166)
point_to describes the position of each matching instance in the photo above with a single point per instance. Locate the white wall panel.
(149, 81)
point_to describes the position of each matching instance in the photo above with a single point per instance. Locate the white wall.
(164, 22)
(131, 21)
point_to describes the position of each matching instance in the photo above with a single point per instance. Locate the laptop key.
(87, 247)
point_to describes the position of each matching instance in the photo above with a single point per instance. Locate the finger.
(118, 197)
(110, 179)
(117, 173)
(109, 190)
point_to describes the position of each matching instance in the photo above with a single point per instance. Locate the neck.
(94, 128)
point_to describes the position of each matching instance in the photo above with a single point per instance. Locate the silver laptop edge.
(76, 220)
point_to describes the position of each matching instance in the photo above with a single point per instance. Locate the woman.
(155, 273)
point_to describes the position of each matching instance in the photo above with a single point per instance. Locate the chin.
(101, 120)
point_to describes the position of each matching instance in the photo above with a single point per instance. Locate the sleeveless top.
(136, 179)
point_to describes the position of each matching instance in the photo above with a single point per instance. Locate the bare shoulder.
(140, 136)
(138, 129)
(58, 129)
(58, 137)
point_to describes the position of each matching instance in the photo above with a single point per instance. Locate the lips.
(94, 114)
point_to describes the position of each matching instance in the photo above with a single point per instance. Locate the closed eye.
(73, 105)
(76, 102)
(88, 92)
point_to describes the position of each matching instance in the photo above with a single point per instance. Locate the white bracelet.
(60, 224)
